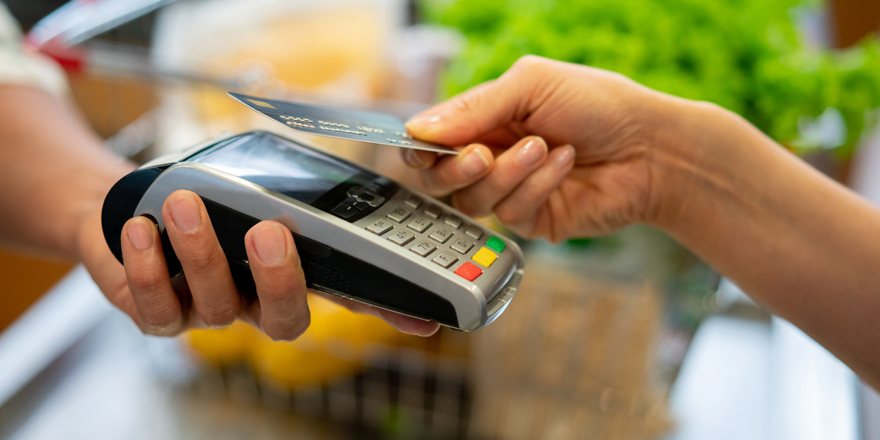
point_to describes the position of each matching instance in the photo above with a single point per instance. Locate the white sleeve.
(19, 65)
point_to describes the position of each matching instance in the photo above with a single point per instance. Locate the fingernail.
(564, 158)
(139, 235)
(473, 163)
(532, 152)
(412, 159)
(185, 214)
(423, 120)
(270, 244)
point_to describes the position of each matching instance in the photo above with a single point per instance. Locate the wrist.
(701, 156)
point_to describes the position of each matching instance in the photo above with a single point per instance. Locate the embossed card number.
(356, 125)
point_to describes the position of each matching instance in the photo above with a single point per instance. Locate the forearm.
(800, 244)
(53, 170)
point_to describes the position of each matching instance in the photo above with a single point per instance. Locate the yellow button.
(485, 257)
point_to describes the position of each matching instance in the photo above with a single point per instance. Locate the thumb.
(469, 115)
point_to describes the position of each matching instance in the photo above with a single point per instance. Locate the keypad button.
(474, 232)
(376, 202)
(345, 211)
(380, 227)
(367, 196)
(462, 246)
(453, 221)
(496, 243)
(356, 202)
(413, 201)
(469, 271)
(441, 235)
(400, 213)
(485, 257)
(423, 247)
(445, 259)
(403, 237)
(420, 224)
(433, 211)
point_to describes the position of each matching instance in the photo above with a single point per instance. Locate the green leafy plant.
(745, 55)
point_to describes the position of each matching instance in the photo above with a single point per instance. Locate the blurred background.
(627, 336)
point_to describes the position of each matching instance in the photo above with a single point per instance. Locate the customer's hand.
(206, 296)
(597, 175)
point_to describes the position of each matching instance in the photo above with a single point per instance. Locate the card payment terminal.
(359, 235)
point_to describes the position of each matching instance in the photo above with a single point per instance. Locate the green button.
(496, 243)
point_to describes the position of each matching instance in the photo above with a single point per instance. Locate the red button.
(469, 271)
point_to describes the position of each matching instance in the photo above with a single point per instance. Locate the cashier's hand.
(206, 295)
(554, 150)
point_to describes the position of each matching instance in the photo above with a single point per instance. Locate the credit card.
(356, 125)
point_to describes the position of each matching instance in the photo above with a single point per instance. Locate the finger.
(189, 228)
(520, 207)
(511, 168)
(281, 285)
(408, 324)
(104, 268)
(465, 117)
(158, 307)
(453, 172)
(401, 323)
(418, 158)
(507, 101)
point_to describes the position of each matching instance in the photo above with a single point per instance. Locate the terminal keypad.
(429, 232)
